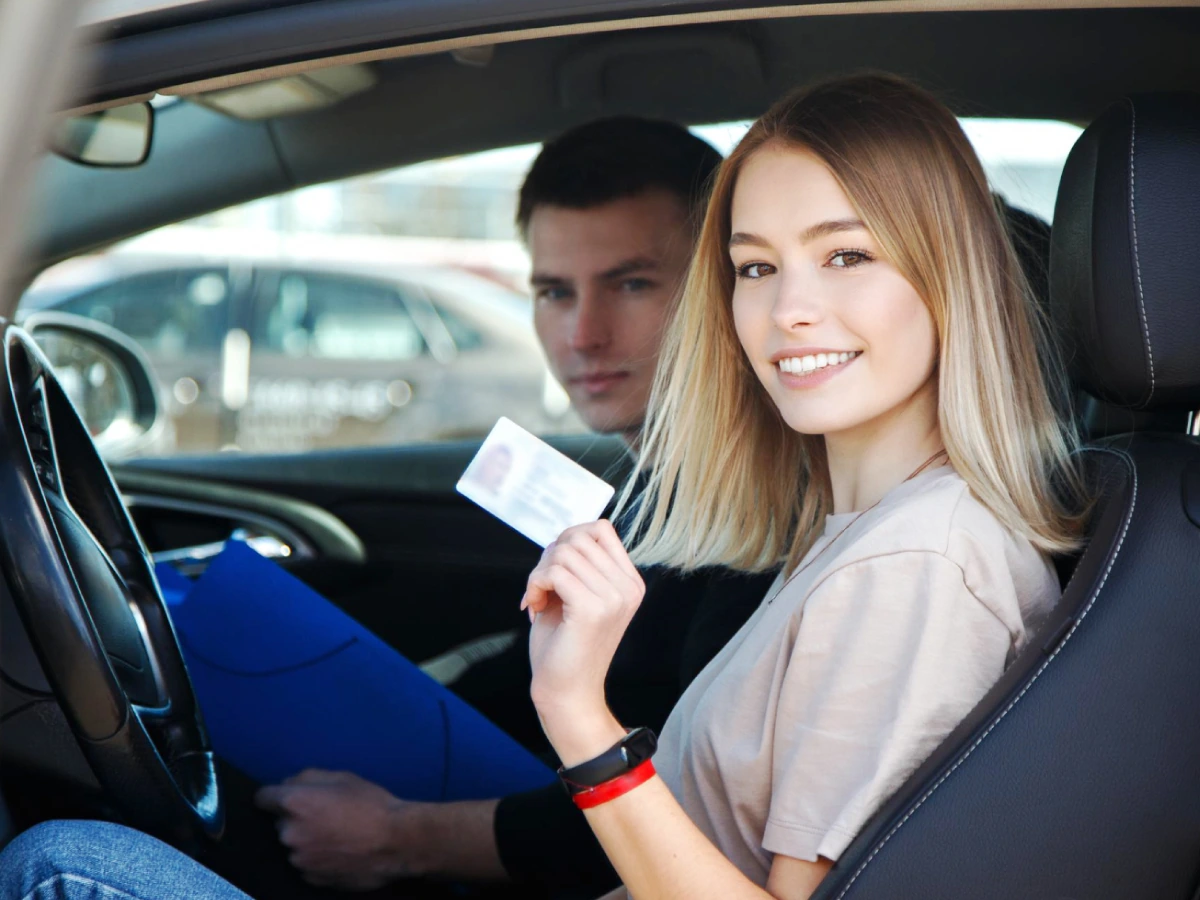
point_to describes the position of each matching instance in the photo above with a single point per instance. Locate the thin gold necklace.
(915, 472)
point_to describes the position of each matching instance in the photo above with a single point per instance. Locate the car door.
(361, 333)
(492, 363)
(336, 359)
(383, 532)
(352, 381)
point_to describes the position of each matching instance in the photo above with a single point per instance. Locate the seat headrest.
(1125, 254)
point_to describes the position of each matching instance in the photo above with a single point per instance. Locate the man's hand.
(342, 831)
(347, 833)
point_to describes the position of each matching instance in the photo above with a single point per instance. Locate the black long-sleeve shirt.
(684, 619)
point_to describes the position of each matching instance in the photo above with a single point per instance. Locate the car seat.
(1078, 776)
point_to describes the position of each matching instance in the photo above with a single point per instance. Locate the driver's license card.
(529, 485)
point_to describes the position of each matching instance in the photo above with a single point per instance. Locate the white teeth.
(803, 365)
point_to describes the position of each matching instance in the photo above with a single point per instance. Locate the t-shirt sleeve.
(891, 653)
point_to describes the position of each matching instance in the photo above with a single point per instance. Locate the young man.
(609, 213)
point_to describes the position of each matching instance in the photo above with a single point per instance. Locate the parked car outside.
(271, 355)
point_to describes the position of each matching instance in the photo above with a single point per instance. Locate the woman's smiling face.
(835, 333)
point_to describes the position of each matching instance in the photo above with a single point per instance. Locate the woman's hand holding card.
(581, 597)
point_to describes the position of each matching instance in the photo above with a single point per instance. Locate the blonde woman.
(851, 387)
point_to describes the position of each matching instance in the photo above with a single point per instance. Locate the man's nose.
(798, 302)
(592, 328)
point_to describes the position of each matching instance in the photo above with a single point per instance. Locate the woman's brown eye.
(848, 259)
(753, 270)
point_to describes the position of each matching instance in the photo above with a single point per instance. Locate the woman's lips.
(599, 382)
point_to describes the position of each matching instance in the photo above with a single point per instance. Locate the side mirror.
(109, 138)
(107, 377)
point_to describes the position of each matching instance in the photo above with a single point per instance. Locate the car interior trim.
(328, 535)
(107, 104)
(251, 74)
(301, 547)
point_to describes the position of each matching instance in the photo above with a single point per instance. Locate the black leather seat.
(1078, 776)
(1031, 238)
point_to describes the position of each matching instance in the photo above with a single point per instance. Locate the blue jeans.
(101, 861)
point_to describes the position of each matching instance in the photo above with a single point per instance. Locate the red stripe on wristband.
(611, 790)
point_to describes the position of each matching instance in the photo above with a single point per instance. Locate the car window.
(375, 311)
(333, 317)
(384, 309)
(465, 336)
(168, 311)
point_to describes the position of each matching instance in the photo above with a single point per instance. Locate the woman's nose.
(798, 303)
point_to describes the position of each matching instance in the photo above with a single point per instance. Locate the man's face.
(603, 281)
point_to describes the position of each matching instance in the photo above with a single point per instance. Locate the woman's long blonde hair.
(729, 483)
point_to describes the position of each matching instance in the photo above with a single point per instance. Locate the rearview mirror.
(109, 138)
(107, 378)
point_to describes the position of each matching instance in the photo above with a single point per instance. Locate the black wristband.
(628, 753)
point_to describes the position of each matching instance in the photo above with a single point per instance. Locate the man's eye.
(553, 293)
(754, 270)
(848, 259)
(636, 285)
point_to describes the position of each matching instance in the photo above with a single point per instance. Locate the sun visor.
(291, 95)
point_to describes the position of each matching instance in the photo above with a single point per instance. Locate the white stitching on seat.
(1137, 266)
(1061, 644)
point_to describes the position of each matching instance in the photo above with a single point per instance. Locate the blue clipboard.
(288, 681)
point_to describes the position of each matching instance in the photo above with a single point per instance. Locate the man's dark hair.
(611, 159)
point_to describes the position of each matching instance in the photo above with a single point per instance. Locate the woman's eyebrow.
(807, 236)
(828, 227)
(743, 238)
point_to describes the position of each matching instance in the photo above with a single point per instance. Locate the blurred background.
(336, 315)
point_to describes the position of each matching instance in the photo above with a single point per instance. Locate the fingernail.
(524, 600)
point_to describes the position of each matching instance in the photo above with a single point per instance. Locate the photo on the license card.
(529, 485)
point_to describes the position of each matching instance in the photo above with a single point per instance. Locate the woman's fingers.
(588, 559)
(539, 590)
(603, 535)
(570, 578)
(606, 536)
(594, 555)
(549, 584)
(608, 579)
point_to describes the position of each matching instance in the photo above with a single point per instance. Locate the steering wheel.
(84, 586)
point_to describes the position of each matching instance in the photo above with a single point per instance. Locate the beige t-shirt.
(836, 689)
